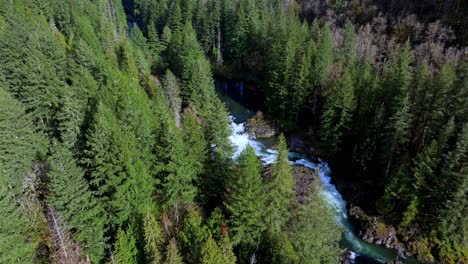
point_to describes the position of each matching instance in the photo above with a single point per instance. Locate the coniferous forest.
(115, 143)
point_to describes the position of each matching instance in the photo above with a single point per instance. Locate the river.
(361, 251)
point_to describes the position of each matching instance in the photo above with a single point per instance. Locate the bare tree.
(64, 250)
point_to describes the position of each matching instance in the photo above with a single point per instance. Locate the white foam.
(240, 139)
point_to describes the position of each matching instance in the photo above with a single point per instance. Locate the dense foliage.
(114, 145)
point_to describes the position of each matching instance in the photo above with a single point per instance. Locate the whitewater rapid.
(240, 139)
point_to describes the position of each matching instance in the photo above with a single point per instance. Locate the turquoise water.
(362, 252)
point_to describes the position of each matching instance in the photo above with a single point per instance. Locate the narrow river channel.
(361, 251)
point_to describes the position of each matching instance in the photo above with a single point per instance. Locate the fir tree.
(125, 248)
(15, 246)
(245, 201)
(172, 254)
(337, 116)
(19, 143)
(279, 190)
(211, 253)
(315, 238)
(71, 197)
(277, 248)
(153, 239)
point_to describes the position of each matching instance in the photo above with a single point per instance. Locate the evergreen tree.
(192, 235)
(211, 253)
(15, 246)
(245, 201)
(153, 239)
(125, 248)
(337, 116)
(279, 190)
(194, 140)
(226, 247)
(19, 143)
(71, 197)
(172, 254)
(314, 233)
(172, 94)
(277, 248)
(322, 61)
(423, 171)
(452, 220)
(348, 49)
(119, 176)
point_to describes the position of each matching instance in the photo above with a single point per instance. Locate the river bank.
(359, 251)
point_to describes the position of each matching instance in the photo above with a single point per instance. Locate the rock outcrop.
(374, 231)
(259, 127)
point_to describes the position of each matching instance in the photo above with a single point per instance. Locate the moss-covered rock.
(374, 231)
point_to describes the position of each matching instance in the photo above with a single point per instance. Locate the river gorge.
(360, 252)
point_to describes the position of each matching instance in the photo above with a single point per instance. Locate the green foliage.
(125, 247)
(71, 197)
(19, 143)
(195, 142)
(119, 176)
(245, 201)
(337, 115)
(192, 235)
(314, 238)
(172, 254)
(277, 248)
(153, 239)
(279, 190)
(16, 245)
(172, 94)
(211, 252)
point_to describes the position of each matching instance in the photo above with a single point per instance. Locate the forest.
(115, 145)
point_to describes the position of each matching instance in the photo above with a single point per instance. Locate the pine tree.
(423, 171)
(337, 116)
(277, 248)
(314, 233)
(452, 220)
(19, 143)
(245, 201)
(15, 245)
(71, 197)
(178, 178)
(279, 190)
(211, 253)
(348, 49)
(323, 59)
(191, 236)
(172, 254)
(226, 247)
(125, 248)
(119, 174)
(195, 142)
(153, 239)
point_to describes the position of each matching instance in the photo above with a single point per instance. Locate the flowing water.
(361, 251)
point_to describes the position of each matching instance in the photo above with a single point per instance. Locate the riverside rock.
(374, 231)
(258, 127)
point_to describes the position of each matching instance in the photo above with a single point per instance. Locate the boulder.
(346, 257)
(374, 231)
(305, 181)
(259, 127)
